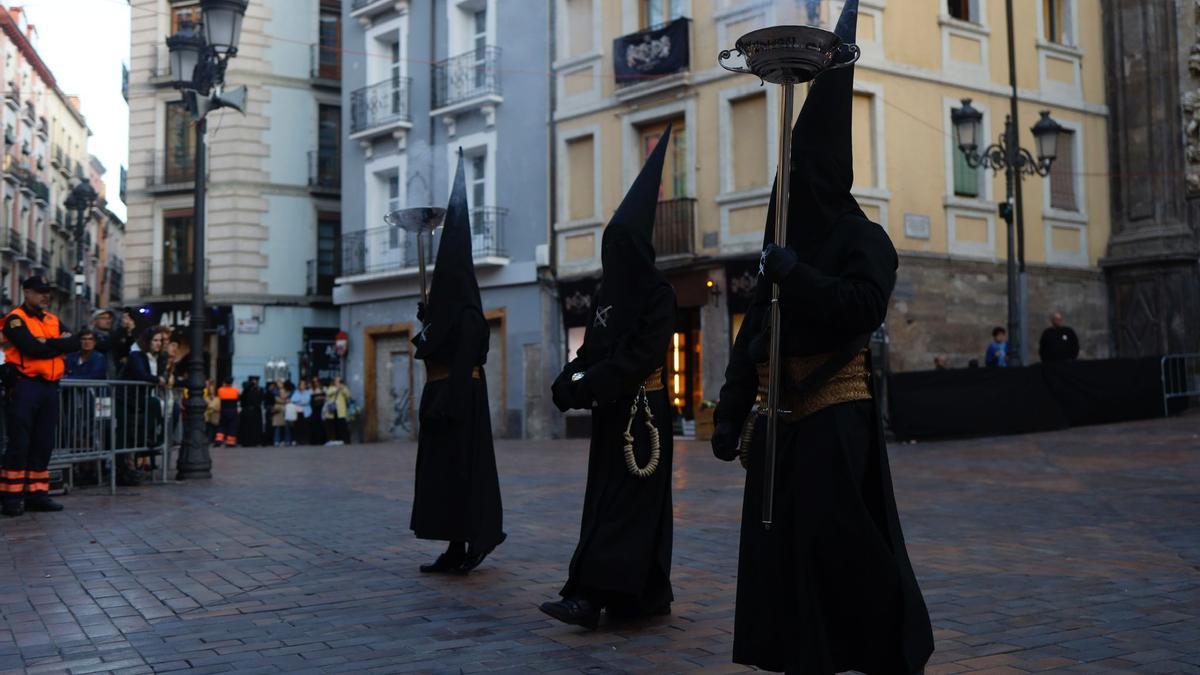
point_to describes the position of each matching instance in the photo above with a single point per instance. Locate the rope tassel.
(655, 448)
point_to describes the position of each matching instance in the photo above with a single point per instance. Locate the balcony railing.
(46, 258)
(11, 242)
(324, 172)
(378, 105)
(151, 278)
(465, 77)
(64, 280)
(41, 191)
(164, 169)
(383, 250)
(114, 280)
(319, 284)
(675, 227)
(31, 249)
(651, 53)
(325, 63)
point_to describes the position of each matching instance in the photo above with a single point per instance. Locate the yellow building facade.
(919, 59)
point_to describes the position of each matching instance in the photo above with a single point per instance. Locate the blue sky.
(84, 42)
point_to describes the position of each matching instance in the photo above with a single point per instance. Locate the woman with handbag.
(301, 404)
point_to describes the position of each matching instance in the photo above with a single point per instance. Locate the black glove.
(568, 394)
(778, 262)
(725, 442)
(421, 312)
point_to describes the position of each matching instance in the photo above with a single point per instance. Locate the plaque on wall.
(916, 226)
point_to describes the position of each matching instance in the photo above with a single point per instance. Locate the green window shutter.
(966, 179)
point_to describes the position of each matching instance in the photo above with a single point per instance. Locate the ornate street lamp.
(79, 204)
(198, 70)
(1016, 162)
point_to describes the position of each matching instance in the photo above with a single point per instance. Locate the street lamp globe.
(81, 198)
(968, 126)
(186, 47)
(223, 24)
(1046, 133)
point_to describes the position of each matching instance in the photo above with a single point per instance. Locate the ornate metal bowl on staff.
(420, 222)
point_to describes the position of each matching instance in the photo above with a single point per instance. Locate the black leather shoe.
(575, 611)
(42, 503)
(12, 508)
(446, 562)
(475, 557)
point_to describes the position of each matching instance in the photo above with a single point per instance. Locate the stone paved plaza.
(1069, 551)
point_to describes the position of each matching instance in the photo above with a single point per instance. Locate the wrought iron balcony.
(11, 242)
(391, 250)
(361, 9)
(652, 53)
(56, 158)
(31, 250)
(64, 280)
(170, 170)
(153, 279)
(46, 258)
(380, 106)
(324, 172)
(675, 227)
(467, 77)
(41, 191)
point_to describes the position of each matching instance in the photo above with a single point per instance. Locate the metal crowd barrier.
(1180, 377)
(103, 419)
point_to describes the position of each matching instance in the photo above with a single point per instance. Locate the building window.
(185, 16)
(329, 231)
(177, 251)
(1057, 23)
(657, 12)
(748, 119)
(480, 47)
(330, 36)
(1062, 175)
(392, 180)
(967, 181)
(579, 27)
(863, 119)
(581, 174)
(478, 179)
(179, 145)
(965, 10)
(674, 184)
(329, 126)
(125, 82)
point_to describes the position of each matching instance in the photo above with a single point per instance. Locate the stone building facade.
(273, 203)
(1153, 258)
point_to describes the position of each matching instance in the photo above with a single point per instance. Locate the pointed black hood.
(822, 152)
(453, 287)
(627, 250)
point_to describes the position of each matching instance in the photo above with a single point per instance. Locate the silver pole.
(421, 265)
(782, 182)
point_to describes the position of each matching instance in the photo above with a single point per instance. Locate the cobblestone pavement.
(1069, 551)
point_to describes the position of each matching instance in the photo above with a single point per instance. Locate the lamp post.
(79, 204)
(198, 63)
(1016, 162)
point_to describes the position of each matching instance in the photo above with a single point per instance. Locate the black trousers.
(32, 417)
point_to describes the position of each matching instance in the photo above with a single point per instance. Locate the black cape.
(250, 422)
(457, 490)
(623, 559)
(830, 587)
(1058, 344)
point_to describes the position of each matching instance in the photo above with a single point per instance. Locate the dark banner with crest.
(741, 276)
(641, 56)
(577, 298)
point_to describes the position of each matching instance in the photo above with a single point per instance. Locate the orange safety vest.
(51, 369)
(227, 394)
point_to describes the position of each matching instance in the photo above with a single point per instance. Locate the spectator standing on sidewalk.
(337, 404)
(212, 410)
(997, 351)
(87, 363)
(251, 422)
(316, 414)
(280, 430)
(121, 340)
(302, 404)
(1059, 342)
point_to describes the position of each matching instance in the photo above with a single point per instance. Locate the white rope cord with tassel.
(655, 449)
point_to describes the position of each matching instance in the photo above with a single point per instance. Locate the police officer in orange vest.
(34, 363)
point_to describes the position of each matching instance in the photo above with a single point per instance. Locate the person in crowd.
(33, 365)
(1059, 342)
(227, 426)
(121, 340)
(250, 421)
(997, 352)
(337, 405)
(212, 411)
(269, 393)
(302, 404)
(281, 432)
(828, 586)
(87, 363)
(142, 363)
(939, 362)
(141, 412)
(622, 563)
(456, 495)
(316, 414)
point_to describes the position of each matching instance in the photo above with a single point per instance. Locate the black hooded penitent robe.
(830, 587)
(457, 489)
(623, 559)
